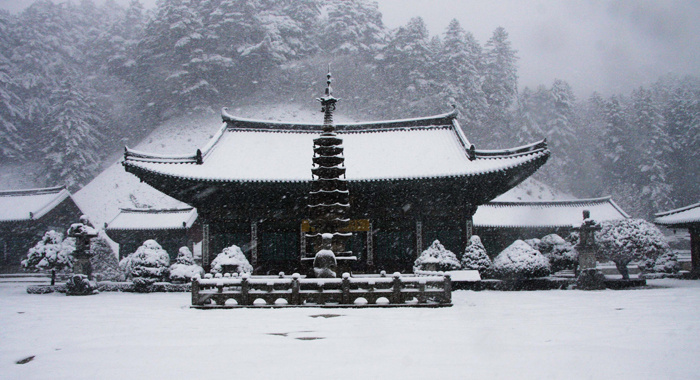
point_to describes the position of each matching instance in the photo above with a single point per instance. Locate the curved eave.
(539, 157)
(667, 219)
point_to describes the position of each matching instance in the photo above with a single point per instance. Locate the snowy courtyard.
(650, 333)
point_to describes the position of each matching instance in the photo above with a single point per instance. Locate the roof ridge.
(440, 119)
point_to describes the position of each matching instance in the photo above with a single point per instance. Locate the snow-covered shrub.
(233, 258)
(520, 260)
(184, 268)
(80, 285)
(105, 265)
(435, 258)
(665, 263)
(51, 252)
(561, 253)
(475, 257)
(534, 243)
(147, 265)
(623, 241)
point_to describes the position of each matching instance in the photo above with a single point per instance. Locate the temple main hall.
(410, 182)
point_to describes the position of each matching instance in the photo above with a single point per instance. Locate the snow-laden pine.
(232, 257)
(436, 258)
(623, 241)
(520, 260)
(104, 261)
(184, 268)
(51, 252)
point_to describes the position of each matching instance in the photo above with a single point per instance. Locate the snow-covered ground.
(632, 334)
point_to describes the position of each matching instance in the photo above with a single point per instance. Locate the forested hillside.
(78, 82)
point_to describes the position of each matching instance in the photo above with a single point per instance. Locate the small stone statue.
(83, 234)
(588, 277)
(325, 263)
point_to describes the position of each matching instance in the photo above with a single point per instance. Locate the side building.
(171, 228)
(501, 223)
(25, 215)
(685, 218)
(410, 181)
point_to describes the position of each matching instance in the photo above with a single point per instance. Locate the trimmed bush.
(104, 261)
(147, 265)
(560, 253)
(436, 258)
(184, 268)
(475, 257)
(520, 260)
(233, 258)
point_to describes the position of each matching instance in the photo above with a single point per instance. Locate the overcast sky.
(609, 46)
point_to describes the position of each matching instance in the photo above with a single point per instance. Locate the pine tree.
(500, 82)
(409, 66)
(71, 142)
(11, 112)
(460, 62)
(353, 27)
(655, 145)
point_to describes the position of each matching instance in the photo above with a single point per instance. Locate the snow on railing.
(295, 291)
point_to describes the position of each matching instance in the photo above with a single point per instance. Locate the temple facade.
(409, 182)
(687, 217)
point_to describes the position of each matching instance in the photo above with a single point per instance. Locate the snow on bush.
(147, 265)
(104, 261)
(51, 252)
(561, 253)
(436, 257)
(184, 268)
(475, 257)
(665, 263)
(520, 260)
(623, 241)
(234, 257)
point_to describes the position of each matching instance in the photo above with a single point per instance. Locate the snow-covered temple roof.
(153, 219)
(680, 217)
(546, 214)
(30, 204)
(247, 150)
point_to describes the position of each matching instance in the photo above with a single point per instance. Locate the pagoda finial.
(329, 89)
(328, 103)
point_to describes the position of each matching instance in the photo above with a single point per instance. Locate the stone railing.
(295, 291)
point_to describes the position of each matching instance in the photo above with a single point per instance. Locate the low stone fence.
(295, 291)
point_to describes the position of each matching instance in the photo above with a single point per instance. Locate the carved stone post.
(588, 277)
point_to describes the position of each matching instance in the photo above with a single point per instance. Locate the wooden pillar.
(469, 225)
(254, 244)
(205, 247)
(695, 248)
(370, 247)
(302, 243)
(419, 238)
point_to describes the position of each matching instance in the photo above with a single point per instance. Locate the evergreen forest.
(78, 81)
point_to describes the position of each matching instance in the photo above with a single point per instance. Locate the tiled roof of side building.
(253, 151)
(28, 204)
(153, 219)
(684, 215)
(543, 214)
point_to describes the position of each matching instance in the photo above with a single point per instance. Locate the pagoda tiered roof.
(546, 214)
(153, 219)
(30, 204)
(246, 150)
(679, 218)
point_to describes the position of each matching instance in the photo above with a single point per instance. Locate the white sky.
(605, 45)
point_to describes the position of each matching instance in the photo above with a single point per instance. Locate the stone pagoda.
(329, 198)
